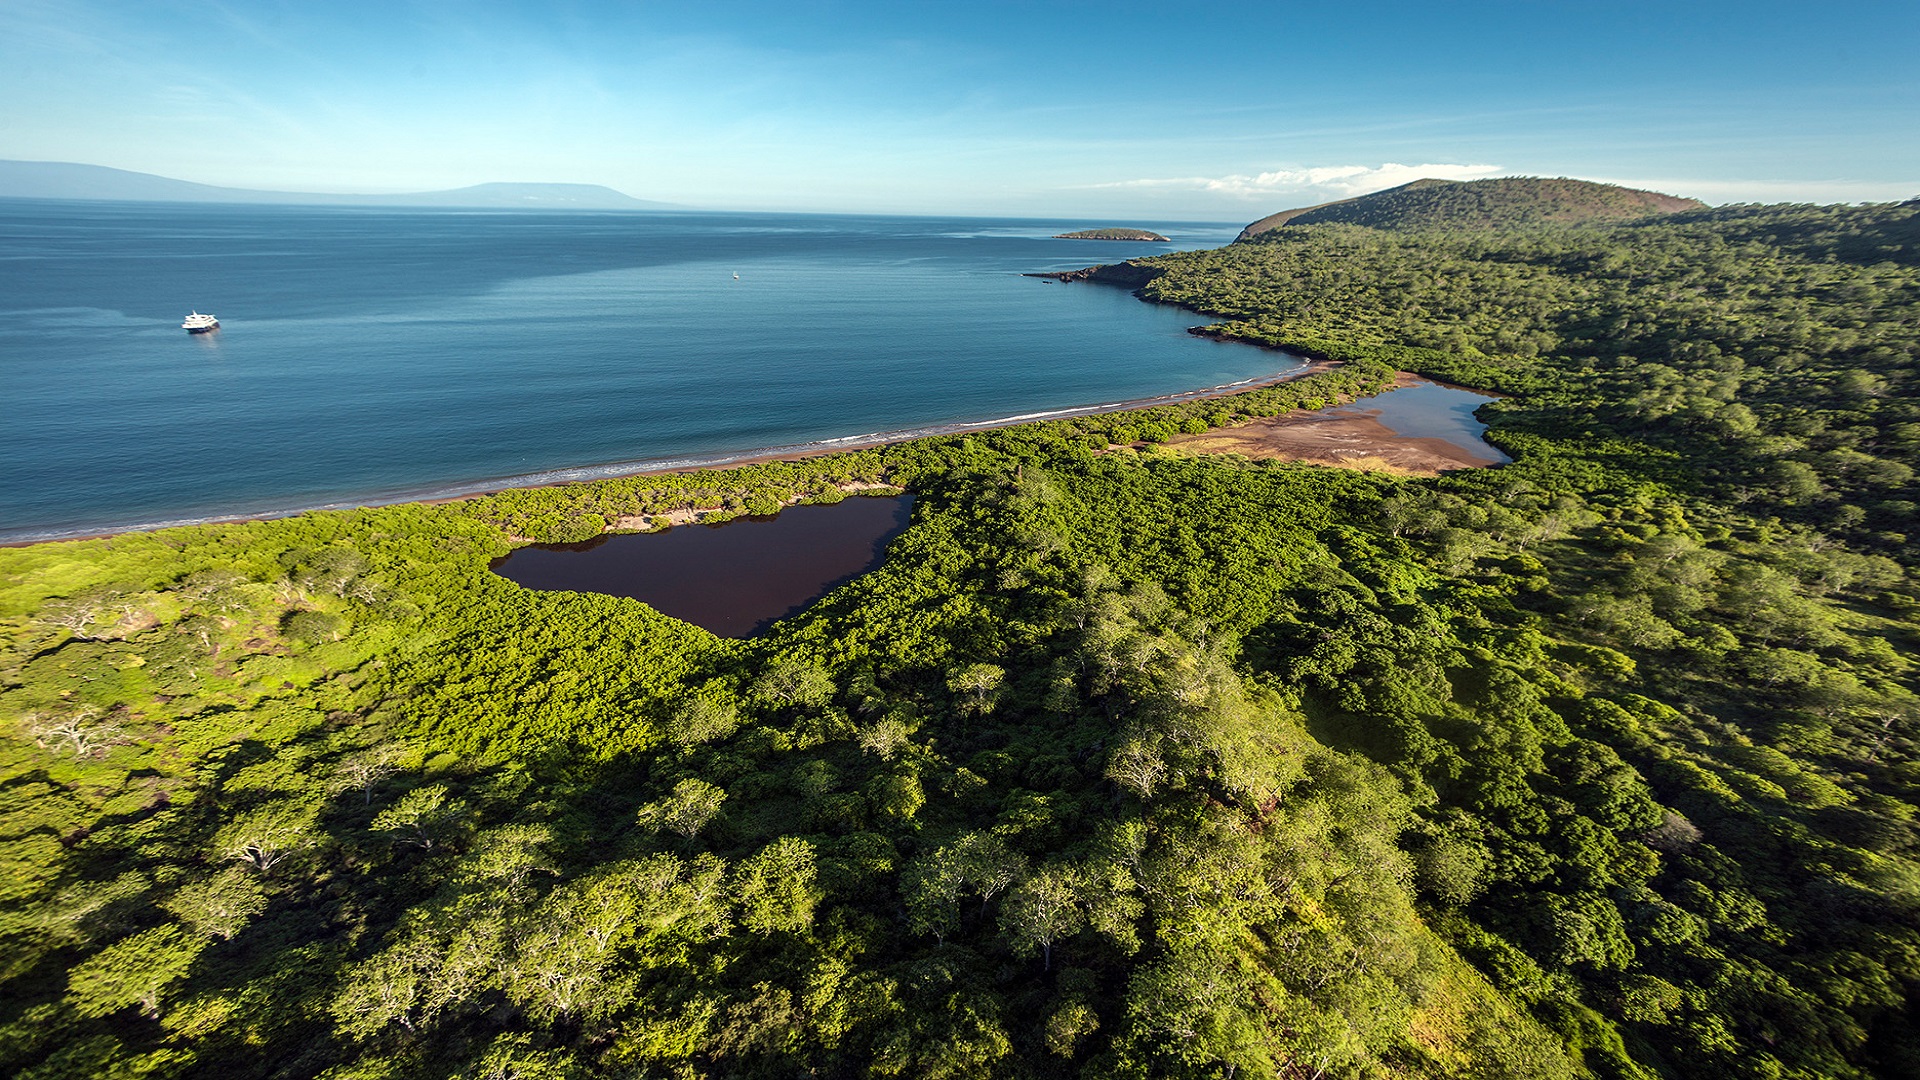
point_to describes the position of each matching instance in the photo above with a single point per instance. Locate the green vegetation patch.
(1112, 234)
(1507, 202)
(1601, 763)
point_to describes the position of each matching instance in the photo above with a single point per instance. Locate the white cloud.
(1334, 181)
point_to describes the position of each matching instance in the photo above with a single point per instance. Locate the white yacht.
(197, 323)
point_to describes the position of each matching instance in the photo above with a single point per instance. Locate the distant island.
(1113, 234)
(66, 180)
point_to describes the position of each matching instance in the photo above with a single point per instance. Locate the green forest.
(1500, 203)
(1126, 763)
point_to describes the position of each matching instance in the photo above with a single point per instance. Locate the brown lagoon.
(734, 579)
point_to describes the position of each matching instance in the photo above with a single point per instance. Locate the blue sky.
(1064, 108)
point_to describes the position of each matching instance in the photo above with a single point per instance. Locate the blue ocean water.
(368, 355)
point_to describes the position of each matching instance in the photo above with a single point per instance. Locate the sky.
(1114, 109)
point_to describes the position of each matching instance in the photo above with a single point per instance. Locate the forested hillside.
(1126, 763)
(1505, 202)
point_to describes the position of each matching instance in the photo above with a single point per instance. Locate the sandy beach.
(724, 460)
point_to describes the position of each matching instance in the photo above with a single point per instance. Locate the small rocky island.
(1113, 234)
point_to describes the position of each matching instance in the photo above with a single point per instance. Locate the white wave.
(640, 467)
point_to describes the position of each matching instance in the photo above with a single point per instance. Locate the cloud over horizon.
(1340, 181)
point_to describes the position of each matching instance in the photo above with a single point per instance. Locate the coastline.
(693, 462)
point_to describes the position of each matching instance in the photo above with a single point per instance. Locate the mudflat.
(1349, 436)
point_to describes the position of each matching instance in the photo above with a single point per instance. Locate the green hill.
(1506, 202)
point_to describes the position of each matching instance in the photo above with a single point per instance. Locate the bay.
(370, 355)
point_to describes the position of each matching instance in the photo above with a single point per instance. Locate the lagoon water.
(1431, 410)
(734, 578)
(370, 355)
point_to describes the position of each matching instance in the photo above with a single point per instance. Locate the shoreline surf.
(455, 492)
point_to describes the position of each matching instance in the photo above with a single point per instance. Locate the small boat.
(736, 275)
(197, 323)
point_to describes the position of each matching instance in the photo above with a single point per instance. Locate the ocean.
(373, 355)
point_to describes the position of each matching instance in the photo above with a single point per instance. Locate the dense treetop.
(1126, 763)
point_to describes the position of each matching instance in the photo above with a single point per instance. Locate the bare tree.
(363, 772)
(1041, 911)
(986, 864)
(219, 906)
(699, 720)
(264, 838)
(421, 815)
(885, 739)
(1137, 766)
(202, 586)
(84, 732)
(686, 810)
(79, 614)
(979, 686)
